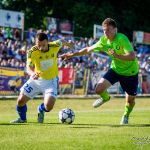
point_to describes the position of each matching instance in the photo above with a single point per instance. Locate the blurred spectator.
(17, 35)
(142, 49)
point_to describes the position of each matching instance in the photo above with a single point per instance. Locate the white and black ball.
(66, 115)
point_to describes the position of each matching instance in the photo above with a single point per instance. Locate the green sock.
(128, 110)
(105, 96)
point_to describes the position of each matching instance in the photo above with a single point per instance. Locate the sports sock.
(128, 110)
(105, 96)
(42, 108)
(22, 111)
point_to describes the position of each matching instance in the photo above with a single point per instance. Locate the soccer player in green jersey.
(124, 66)
(43, 70)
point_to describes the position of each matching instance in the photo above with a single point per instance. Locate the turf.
(93, 129)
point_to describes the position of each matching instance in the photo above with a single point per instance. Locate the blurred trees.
(130, 15)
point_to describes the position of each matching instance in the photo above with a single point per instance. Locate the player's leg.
(130, 102)
(21, 109)
(46, 106)
(28, 91)
(129, 85)
(101, 89)
(50, 92)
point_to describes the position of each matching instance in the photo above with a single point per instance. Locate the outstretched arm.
(70, 44)
(81, 52)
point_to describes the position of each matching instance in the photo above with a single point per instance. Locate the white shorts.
(34, 87)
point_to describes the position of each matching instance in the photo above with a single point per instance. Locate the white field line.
(83, 111)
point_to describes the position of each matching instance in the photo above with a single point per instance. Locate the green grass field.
(93, 129)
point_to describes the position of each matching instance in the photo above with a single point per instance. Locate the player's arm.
(69, 44)
(128, 56)
(31, 67)
(81, 52)
(30, 70)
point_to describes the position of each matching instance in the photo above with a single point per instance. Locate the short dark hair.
(41, 36)
(109, 21)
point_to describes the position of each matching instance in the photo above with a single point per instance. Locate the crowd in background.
(13, 54)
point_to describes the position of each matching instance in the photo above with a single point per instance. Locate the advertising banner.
(98, 31)
(66, 75)
(52, 24)
(141, 37)
(12, 19)
(59, 25)
(146, 39)
(11, 80)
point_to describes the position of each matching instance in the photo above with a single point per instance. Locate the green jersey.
(121, 45)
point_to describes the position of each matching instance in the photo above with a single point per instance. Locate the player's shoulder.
(32, 50)
(103, 39)
(121, 36)
(56, 43)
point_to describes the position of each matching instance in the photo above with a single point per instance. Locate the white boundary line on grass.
(75, 96)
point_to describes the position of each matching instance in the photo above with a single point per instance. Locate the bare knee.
(130, 99)
(102, 86)
(99, 89)
(49, 103)
(49, 107)
(22, 100)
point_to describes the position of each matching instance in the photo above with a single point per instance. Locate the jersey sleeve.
(99, 46)
(56, 43)
(30, 59)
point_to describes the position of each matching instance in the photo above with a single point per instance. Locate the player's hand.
(35, 75)
(112, 52)
(66, 56)
(70, 44)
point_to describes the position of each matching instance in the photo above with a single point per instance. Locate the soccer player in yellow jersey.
(124, 67)
(43, 71)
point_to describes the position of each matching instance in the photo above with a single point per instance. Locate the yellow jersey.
(45, 63)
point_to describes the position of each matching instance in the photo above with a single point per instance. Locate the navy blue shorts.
(129, 84)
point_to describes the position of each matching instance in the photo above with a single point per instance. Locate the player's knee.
(48, 107)
(21, 101)
(99, 89)
(130, 100)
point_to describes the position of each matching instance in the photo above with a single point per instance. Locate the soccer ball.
(66, 116)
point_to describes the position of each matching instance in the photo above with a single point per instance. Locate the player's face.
(109, 31)
(42, 45)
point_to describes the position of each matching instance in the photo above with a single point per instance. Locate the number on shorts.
(28, 88)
